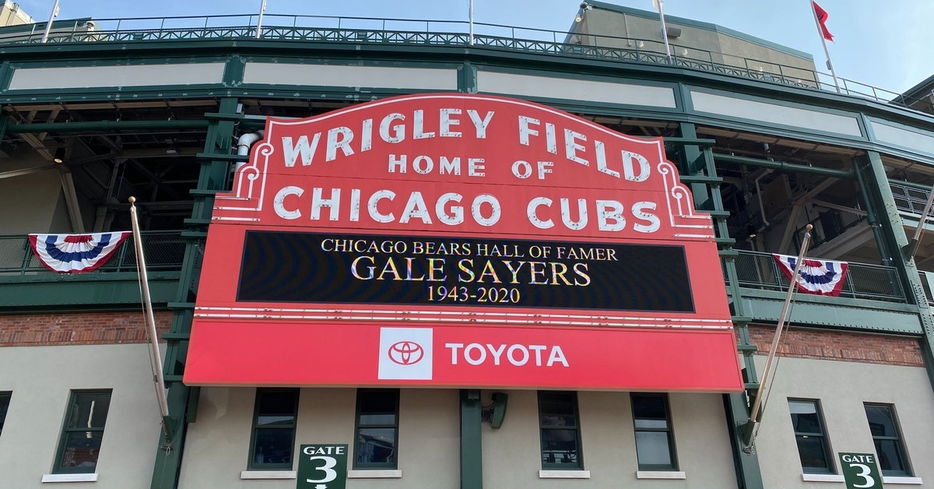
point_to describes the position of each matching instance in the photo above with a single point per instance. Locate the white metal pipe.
(259, 20)
(661, 15)
(246, 140)
(48, 25)
(470, 17)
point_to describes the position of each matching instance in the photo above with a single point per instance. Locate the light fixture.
(59, 156)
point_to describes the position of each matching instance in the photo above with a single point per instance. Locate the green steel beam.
(213, 177)
(94, 290)
(782, 166)
(106, 126)
(700, 161)
(894, 230)
(471, 440)
(746, 463)
(872, 214)
(919, 186)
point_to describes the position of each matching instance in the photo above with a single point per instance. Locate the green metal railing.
(398, 31)
(164, 250)
(758, 270)
(911, 200)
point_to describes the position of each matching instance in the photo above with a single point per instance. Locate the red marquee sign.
(456, 240)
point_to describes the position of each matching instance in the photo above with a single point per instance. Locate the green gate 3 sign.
(860, 471)
(322, 467)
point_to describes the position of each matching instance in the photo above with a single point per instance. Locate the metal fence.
(164, 250)
(398, 31)
(910, 199)
(863, 281)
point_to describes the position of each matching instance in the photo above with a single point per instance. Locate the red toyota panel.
(460, 240)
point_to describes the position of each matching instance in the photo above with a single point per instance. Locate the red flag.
(822, 16)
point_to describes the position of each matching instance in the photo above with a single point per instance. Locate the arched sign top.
(466, 164)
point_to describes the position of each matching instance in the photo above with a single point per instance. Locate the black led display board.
(301, 267)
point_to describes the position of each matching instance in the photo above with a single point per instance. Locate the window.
(887, 438)
(813, 446)
(377, 430)
(655, 446)
(560, 430)
(82, 433)
(4, 405)
(273, 429)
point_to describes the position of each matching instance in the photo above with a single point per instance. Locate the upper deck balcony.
(25, 283)
(437, 33)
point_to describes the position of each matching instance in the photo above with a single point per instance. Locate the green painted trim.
(103, 291)
(106, 125)
(707, 26)
(832, 301)
(471, 440)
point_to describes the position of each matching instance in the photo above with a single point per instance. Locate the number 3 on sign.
(860, 471)
(328, 469)
(322, 467)
(864, 472)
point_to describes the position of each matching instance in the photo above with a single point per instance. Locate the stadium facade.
(331, 206)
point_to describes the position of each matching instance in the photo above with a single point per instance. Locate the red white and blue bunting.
(823, 277)
(76, 253)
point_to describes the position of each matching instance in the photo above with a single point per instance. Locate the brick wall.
(838, 345)
(85, 328)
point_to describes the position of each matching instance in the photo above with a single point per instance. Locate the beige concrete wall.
(694, 42)
(429, 441)
(842, 388)
(37, 197)
(41, 378)
(511, 454)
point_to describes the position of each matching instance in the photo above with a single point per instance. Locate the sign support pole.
(758, 405)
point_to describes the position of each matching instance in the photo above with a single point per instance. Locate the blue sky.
(882, 43)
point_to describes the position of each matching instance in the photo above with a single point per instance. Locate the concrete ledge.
(660, 474)
(69, 477)
(563, 474)
(916, 481)
(266, 474)
(374, 474)
(822, 477)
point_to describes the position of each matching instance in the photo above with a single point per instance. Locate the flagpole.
(823, 41)
(661, 15)
(155, 357)
(48, 25)
(757, 405)
(470, 18)
(259, 19)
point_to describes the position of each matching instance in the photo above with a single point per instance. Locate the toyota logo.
(406, 352)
